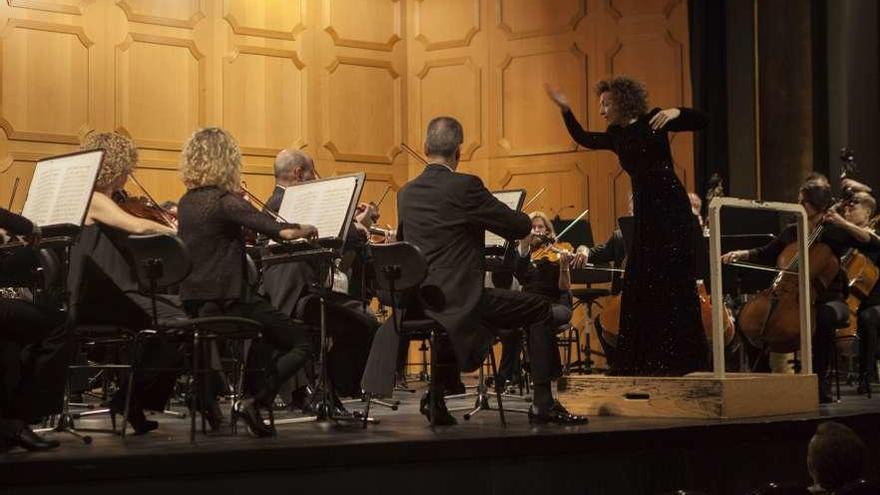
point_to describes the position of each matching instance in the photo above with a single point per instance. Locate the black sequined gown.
(661, 333)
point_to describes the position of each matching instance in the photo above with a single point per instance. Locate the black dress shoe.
(27, 439)
(246, 411)
(136, 418)
(556, 414)
(440, 413)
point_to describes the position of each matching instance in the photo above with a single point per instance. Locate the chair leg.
(497, 387)
(367, 398)
(194, 388)
(835, 365)
(432, 400)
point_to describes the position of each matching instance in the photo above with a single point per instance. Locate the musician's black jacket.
(210, 223)
(446, 215)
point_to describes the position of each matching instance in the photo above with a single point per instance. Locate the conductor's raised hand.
(663, 117)
(557, 96)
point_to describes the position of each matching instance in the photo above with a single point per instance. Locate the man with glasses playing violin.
(445, 214)
(290, 287)
(840, 235)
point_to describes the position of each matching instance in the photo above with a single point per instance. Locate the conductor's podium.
(697, 395)
(718, 394)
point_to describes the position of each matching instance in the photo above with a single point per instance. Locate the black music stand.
(499, 252)
(49, 177)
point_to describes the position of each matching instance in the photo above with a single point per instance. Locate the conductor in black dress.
(446, 213)
(661, 333)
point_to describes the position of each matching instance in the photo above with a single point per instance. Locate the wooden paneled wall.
(345, 80)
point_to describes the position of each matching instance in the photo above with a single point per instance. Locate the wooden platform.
(610, 455)
(698, 395)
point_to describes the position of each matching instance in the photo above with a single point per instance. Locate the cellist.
(839, 235)
(860, 211)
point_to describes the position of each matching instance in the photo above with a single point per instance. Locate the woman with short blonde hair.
(212, 157)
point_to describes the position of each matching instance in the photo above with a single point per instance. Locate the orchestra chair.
(101, 317)
(400, 268)
(163, 261)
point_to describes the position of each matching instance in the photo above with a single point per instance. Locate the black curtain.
(709, 82)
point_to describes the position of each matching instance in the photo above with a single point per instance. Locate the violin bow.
(413, 153)
(536, 196)
(384, 193)
(14, 190)
(254, 199)
(572, 224)
(168, 216)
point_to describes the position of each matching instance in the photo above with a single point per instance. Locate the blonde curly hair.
(120, 156)
(211, 157)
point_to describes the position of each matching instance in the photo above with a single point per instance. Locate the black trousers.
(288, 342)
(869, 327)
(829, 317)
(351, 330)
(502, 310)
(35, 350)
(542, 337)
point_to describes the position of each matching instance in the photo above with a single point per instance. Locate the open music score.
(61, 189)
(513, 199)
(328, 204)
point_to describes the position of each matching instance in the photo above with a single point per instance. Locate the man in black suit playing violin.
(446, 213)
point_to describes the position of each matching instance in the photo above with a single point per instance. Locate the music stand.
(58, 200)
(498, 251)
(328, 204)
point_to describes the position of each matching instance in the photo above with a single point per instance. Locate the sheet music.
(324, 204)
(512, 200)
(61, 189)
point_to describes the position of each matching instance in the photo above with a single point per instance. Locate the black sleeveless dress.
(661, 333)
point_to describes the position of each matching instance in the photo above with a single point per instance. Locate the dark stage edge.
(403, 455)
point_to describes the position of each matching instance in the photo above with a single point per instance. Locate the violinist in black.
(549, 277)
(291, 286)
(212, 215)
(830, 307)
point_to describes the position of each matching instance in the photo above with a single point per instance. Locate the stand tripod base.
(65, 425)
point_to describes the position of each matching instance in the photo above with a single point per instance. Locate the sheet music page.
(323, 204)
(61, 189)
(511, 199)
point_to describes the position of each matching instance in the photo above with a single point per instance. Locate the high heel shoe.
(246, 411)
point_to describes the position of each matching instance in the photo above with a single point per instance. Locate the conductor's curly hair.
(629, 96)
(120, 156)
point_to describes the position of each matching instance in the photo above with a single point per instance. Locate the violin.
(144, 207)
(551, 251)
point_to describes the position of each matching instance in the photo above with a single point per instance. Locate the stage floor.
(609, 455)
